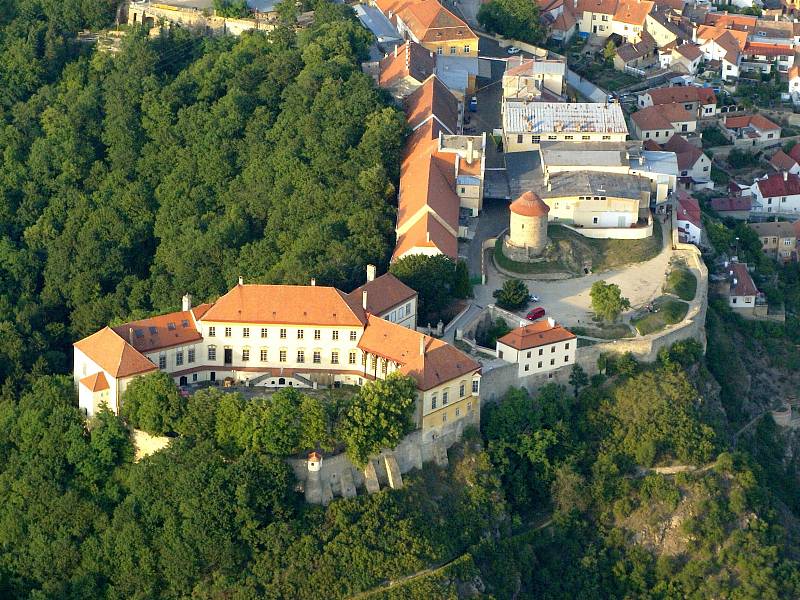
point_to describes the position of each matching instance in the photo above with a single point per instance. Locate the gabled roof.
(689, 93)
(383, 293)
(427, 19)
(162, 331)
(732, 204)
(564, 22)
(686, 153)
(96, 382)
(795, 152)
(661, 117)
(779, 184)
(633, 50)
(757, 121)
(286, 304)
(782, 161)
(782, 229)
(427, 232)
(689, 209)
(113, 354)
(731, 21)
(769, 50)
(409, 60)
(536, 334)
(633, 12)
(432, 98)
(607, 7)
(743, 285)
(429, 361)
(690, 51)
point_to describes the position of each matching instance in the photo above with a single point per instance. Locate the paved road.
(568, 300)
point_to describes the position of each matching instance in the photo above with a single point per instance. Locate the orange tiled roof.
(782, 161)
(759, 121)
(409, 60)
(736, 22)
(162, 331)
(529, 204)
(607, 7)
(633, 12)
(661, 117)
(670, 95)
(428, 20)
(689, 50)
(113, 354)
(432, 98)
(286, 304)
(96, 382)
(427, 232)
(536, 334)
(383, 293)
(429, 361)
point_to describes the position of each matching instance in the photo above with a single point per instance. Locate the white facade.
(542, 359)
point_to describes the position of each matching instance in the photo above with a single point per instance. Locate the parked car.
(513, 50)
(473, 104)
(533, 298)
(536, 313)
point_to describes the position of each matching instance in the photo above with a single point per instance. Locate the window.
(519, 138)
(594, 220)
(453, 50)
(301, 356)
(552, 361)
(264, 355)
(606, 137)
(178, 357)
(684, 173)
(212, 331)
(300, 334)
(458, 412)
(527, 367)
(316, 358)
(528, 355)
(317, 334)
(605, 17)
(787, 242)
(568, 137)
(475, 386)
(228, 332)
(353, 336)
(535, 139)
(334, 358)
(541, 351)
(647, 134)
(705, 169)
(469, 406)
(162, 360)
(374, 362)
(658, 134)
(466, 49)
(462, 389)
(283, 333)
(439, 51)
(500, 354)
(212, 353)
(282, 356)
(408, 309)
(444, 417)
(264, 332)
(566, 346)
(566, 359)
(245, 354)
(351, 357)
(190, 357)
(384, 366)
(433, 401)
(335, 335)
(552, 350)
(585, 137)
(246, 332)
(445, 396)
(539, 365)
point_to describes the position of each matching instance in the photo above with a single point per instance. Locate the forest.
(182, 162)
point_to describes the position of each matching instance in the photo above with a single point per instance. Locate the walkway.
(568, 300)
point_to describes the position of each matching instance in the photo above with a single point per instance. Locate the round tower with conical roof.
(529, 224)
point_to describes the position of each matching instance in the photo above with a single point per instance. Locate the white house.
(690, 225)
(742, 291)
(540, 348)
(694, 166)
(387, 297)
(777, 193)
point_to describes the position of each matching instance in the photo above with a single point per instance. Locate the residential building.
(700, 101)
(429, 23)
(387, 297)
(741, 289)
(527, 124)
(637, 56)
(596, 200)
(629, 19)
(723, 45)
(373, 19)
(668, 26)
(694, 166)
(276, 336)
(595, 16)
(735, 207)
(404, 69)
(690, 225)
(793, 80)
(661, 168)
(661, 122)
(750, 130)
(539, 349)
(761, 57)
(563, 26)
(777, 193)
(781, 161)
(532, 78)
(778, 239)
(686, 57)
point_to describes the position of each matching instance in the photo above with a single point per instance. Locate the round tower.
(529, 223)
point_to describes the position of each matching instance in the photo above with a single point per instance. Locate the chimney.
(364, 299)
(551, 321)
(395, 50)
(549, 186)
(422, 345)
(469, 151)
(785, 175)
(241, 280)
(370, 273)
(130, 335)
(186, 302)
(735, 282)
(313, 281)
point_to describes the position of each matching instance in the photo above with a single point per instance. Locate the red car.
(536, 313)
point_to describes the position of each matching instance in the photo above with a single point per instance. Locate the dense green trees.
(515, 19)
(513, 294)
(607, 300)
(437, 280)
(152, 403)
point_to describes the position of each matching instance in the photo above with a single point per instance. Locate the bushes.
(513, 295)
(740, 159)
(682, 283)
(153, 403)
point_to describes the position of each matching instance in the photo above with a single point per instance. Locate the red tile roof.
(689, 209)
(529, 204)
(633, 12)
(96, 382)
(607, 7)
(690, 51)
(744, 285)
(162, 331)
(409, 60)
(670, 95)
(429, 361)
(687, 153)
(734, 21)
(661, 116)
(732, 204)
(432, 98)
(782, 161)
(286, 304)
(428, 20)
(779, 184)
(770, 50)
(795, 152)
(113, 354)
(383, 293)
(428, 233)
(536, 334)
(757, 121)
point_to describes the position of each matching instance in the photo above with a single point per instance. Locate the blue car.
(473, 104)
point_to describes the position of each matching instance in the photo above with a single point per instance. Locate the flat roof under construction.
(596, 183)
(596, 154)
(560, 117)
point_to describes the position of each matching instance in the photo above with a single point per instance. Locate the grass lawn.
(682, 283)
(670, 311)
(520, 267)
(608, 254)
(605, 331)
